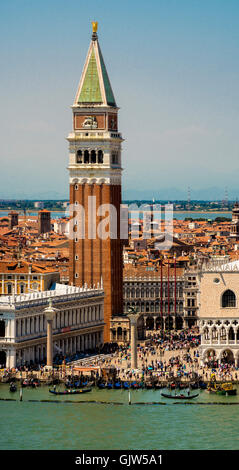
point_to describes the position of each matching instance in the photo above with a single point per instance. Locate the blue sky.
(174, 69)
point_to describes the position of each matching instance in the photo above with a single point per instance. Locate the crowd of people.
(164, 356)
(161, 356)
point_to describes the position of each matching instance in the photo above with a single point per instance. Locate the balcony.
(5, 339)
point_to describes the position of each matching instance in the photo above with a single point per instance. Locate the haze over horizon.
(174, 71)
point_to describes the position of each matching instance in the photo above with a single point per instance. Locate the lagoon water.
(82, 425)
(176, 215)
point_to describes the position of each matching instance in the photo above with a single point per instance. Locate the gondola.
(158, 386)
(126, 385)
(149, 386)
(179, 397)
(71, 392)
(12, 388)
(101, 385)
(135, 386)
(117, 385)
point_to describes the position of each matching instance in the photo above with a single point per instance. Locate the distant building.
(20, 277)
(39, 205)
(235, 222)
(77, 327)
(44, 221)
(219, 313)
(13, 219)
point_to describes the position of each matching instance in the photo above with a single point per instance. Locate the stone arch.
(2, 328)
(226, 356)
(209, 354)
(119, 333)
(3, 359)
(179, 322)
(149, 323)
(169, 322)
(231, 334)
(159, 323)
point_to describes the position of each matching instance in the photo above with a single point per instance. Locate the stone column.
(49, 344)
(133, 340)
(49, 313)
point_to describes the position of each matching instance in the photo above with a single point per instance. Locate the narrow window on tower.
(76, 275)
(79, 156)
(100, 156)
(93, 156)
(76, 257)
(86, 156)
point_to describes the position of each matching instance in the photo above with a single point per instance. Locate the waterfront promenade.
(161, 359)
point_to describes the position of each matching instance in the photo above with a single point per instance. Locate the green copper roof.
(90, 91)
(108, 90)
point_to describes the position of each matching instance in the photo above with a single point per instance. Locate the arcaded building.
(219, 312)
(77, 327)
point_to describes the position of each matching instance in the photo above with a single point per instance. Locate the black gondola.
(179, 397)
(117, 385)
(12, 388)
(101, 385)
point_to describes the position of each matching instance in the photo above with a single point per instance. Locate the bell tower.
(95, 185)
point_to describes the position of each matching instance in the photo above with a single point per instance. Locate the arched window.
(86, 156)
(79, 156)
(93, 156)
(9, 288)
(228, 299)
(100, 156)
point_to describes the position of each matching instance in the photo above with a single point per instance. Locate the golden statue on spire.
(94, 26)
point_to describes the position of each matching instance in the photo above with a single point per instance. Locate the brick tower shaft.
(95, 186)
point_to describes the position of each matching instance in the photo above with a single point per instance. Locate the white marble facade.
(78, 324)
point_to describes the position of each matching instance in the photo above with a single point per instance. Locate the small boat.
(109, 385)
(202, 385)
(101, 385)
(158, 386)
(126, 385)
(12, 388)
(71, 391)
(135, 386)
(117, 385)
(172, 386)
(179, 397)
(227, 387)
(149, 385)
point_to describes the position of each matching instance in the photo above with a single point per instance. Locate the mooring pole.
(129, 398)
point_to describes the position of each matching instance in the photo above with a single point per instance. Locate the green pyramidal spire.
(90, 91)
(95, 87)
